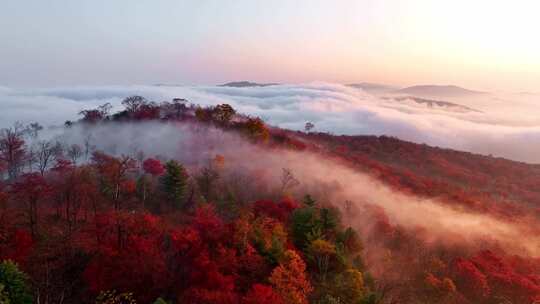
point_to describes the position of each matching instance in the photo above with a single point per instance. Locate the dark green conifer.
(174, 182)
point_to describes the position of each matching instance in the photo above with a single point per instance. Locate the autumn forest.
(172, 202)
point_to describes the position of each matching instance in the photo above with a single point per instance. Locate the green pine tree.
(14, 282)
(160, 301)
(4, 297)
(174, 183)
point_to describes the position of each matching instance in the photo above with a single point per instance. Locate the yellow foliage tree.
(289, 279)
(322, 251)
(349, 286)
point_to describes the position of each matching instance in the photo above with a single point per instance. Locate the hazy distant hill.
(437, 90)
(244, 84)
(373, 88)
(437, 104)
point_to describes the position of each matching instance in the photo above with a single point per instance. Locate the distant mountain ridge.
(430, 103)
(376, 88)
(245, 84)
(437, 90)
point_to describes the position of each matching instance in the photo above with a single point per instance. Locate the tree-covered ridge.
(89, 227)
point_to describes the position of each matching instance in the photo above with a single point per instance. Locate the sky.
(484, 45)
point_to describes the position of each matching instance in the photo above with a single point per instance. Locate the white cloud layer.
(508, 125)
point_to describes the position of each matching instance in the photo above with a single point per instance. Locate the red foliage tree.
(471, 280)
(147, 111)
(31, 189)
(96, 115)
(113, 172)
(208, 283)
(153, 167)
(208, 223)
(505, 280)
(12, 150)
(204, 269)
(17, 246)
(262, 294)
(137, 264)
(280, 211)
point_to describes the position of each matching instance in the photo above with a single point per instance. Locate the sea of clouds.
(506, 125)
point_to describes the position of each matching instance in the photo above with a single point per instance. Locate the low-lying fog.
(325, 179)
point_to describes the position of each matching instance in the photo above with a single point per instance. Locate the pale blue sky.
(67, 42)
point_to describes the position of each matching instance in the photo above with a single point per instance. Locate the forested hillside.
(206, 205)
(480, 182)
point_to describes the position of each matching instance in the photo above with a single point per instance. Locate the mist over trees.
(84, 225)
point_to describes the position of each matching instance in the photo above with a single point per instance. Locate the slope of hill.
(484, 183)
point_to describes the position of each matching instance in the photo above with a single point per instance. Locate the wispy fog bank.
(327, 180)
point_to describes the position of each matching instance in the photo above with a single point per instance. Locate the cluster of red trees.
(79, 231)
(412, 270)
(85, 232)
(116, 229)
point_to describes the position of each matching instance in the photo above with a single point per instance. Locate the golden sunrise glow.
(487, 45)
(471, 40)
